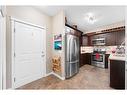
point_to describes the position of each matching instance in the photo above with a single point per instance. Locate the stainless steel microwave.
(98, 41)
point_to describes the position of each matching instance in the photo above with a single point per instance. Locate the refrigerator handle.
(69, 49)
(76, 49)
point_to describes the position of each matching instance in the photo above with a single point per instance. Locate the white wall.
(28, 14)
(58, 22)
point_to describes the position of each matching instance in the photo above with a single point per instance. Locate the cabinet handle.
(42, 55)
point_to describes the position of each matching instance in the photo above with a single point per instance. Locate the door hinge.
(14, 30)
(14, 54)
(14, 79)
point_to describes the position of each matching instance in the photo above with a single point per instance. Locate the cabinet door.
(90, 38)
(106, 60)
(85, 59)
(102, 35)
(117, 74)
(88, 58)
(82, 60)
(111, 39)
(120, 37)
(84, 40)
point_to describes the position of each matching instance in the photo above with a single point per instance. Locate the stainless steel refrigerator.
(71, 55)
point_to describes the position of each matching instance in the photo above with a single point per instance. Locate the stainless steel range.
(98, 57)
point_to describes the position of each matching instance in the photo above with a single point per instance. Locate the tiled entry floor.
(89, 77)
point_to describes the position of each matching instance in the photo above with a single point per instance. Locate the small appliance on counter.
(120, 50)
(119, 54)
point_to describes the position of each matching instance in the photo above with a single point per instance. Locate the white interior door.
(1, 51)
(29, 54)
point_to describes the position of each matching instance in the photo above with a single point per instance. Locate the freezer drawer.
(72, 68)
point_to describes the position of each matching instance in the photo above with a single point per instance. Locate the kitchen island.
(117, 71)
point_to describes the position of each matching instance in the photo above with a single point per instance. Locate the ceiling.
(104, 15)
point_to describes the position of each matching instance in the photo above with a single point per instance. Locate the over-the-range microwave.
(98, 41)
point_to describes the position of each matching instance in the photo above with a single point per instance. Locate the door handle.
(42, 55)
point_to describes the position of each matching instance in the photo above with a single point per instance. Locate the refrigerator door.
(72, 55)
(71, 48)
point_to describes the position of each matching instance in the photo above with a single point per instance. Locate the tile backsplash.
(89, 49)
(109, 49)
(85, 49)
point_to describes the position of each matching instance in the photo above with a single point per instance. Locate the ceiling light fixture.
(90, 18)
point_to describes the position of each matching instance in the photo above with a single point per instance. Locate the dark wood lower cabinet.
(81, 60)
(106, 60)
(117, 74)
(85, 58)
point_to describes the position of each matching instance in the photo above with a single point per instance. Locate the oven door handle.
(99, 54)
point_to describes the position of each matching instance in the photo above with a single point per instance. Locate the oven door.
(98, 59)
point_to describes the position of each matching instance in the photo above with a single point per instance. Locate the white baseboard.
(53, 73)
(10, 89)
(48, 74)
(62, 78)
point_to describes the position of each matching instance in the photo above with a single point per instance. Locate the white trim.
(12, 53)
(28, 23)
(13, 20)
(3, 52)
(53, 73)
(45, 51)
(10, 89)
(48, 74)
(2, 10)
(62, 78)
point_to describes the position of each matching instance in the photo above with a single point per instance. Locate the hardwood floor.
(89, 77)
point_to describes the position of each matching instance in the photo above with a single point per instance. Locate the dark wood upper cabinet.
(84, 41)
(115, 38)
(120, 37)
(111, 38)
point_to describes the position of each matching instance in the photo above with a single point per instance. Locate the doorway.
(1, 63)
(28, 53)
(2, 49)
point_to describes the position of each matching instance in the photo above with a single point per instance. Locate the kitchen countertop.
(85, 52)
(117, 57)
(92, 52)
